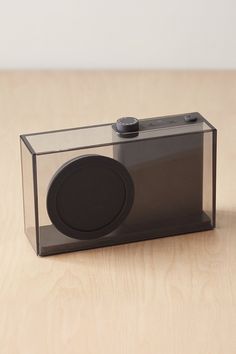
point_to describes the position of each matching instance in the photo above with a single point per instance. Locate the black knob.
(190, 118)
(127, 125)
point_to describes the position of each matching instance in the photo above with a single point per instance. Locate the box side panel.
(209, 175)
(28, 194)
(214, 173)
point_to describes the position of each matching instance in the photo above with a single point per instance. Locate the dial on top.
(127, 125)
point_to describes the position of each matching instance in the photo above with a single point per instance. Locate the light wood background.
(167, 296)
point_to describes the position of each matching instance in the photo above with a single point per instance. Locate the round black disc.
(89, 196)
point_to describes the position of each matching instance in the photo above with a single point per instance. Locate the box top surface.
(105, 134)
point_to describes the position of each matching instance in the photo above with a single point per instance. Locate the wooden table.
(167, 296)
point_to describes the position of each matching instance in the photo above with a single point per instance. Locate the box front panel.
(173, 194)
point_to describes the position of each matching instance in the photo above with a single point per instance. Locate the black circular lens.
(89, 196)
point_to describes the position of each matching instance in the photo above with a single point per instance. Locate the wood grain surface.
(175, 295)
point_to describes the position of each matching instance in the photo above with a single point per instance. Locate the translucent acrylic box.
(98, 186)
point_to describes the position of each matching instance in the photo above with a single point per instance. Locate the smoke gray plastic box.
(165, 183)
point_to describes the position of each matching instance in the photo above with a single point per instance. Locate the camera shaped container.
(116, 183)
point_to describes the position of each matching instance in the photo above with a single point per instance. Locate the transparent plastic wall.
(209, 175)
(28, 191)
(172, 169)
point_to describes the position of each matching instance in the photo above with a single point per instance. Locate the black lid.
(90, 196)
